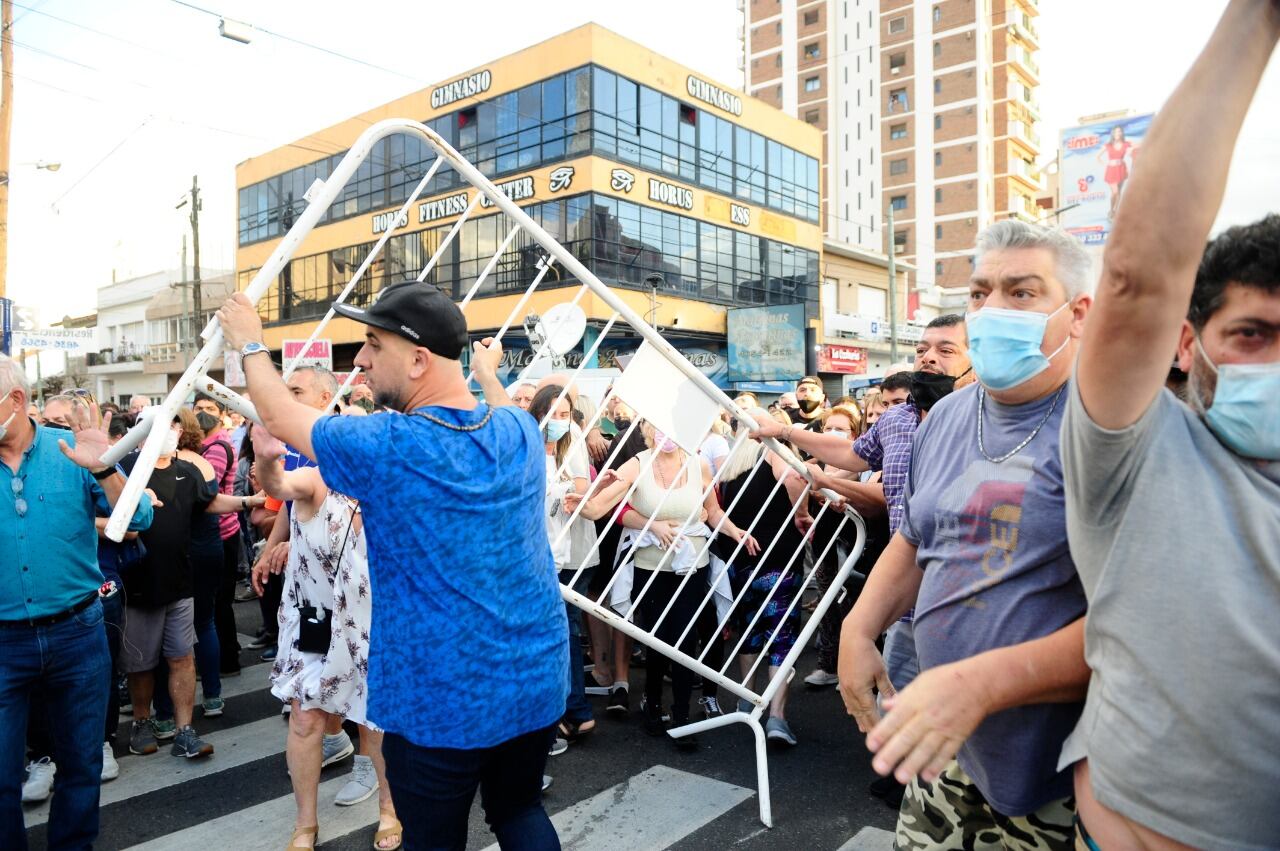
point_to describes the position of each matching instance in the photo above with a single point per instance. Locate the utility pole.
(6, 125)
(893, 288)
(195, 250)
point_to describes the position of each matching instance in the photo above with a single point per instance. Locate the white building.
(130, 334)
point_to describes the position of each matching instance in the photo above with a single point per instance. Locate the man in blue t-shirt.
(463, 580)
(982, 555)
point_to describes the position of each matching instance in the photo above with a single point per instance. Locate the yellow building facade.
(683, 195)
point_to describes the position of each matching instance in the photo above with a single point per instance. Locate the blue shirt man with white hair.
(51, 627)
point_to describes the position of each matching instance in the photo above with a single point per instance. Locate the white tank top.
(683, 505)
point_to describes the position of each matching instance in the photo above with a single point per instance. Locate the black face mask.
(207, 421)
(58, 426)
(928, 387)
(622, 425)
(809, 405)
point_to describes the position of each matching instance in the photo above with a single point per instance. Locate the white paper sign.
(667, 398)
(70, 340)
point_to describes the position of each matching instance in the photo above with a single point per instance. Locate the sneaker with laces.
(245, 593)
(213, 706)
(820, 679)
(558, 747)
(336, 748)
(142, 738)
(39, 783)
(546, 782)
(186, 743)
(778, 730)
(110, 768)
(619, 701)
(269, 655)
(163, 730)
(710, 707)
(361, 786)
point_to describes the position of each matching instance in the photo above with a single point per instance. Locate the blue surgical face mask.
(1004, 345)
(1245, 413)
(556, 429)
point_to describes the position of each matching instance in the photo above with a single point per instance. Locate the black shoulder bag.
(315, 631)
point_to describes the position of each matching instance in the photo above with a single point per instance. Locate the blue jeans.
(577, 708)
(69, 661)
(900, 655)
(433, 788)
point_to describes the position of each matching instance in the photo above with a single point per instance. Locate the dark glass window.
(562, 116)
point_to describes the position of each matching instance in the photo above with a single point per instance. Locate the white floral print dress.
(317, 575)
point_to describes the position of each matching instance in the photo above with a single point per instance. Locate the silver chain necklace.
(473, 427)
(982, 398)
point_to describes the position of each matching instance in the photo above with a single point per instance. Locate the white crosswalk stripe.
(266, 825)
(869, 839)
(139, 775)
(622, 818)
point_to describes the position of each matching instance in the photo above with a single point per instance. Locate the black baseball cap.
(420, 313)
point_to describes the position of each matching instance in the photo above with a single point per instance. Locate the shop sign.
(520, 189)
(383, 221)
(766, 343)
(320, 353)
(849, 360)
(714, 95)
(740, 215)
(477, 83)
(442, 208)
(670, 194)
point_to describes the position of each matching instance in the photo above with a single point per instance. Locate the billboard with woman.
(1095, 163)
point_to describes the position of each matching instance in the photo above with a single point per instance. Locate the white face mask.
(838, 432)
(170, 445)
(4, 427)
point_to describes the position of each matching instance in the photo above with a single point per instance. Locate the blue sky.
(138, 95)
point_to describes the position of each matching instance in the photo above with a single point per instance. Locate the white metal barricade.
(729, 610)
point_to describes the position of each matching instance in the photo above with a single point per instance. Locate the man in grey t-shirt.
(1173, 511)
(982, 554)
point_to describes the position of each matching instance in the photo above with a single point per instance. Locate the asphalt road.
(617, 789)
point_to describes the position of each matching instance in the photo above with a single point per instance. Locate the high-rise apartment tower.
(928, 107)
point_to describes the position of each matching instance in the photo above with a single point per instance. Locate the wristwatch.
(252, 349)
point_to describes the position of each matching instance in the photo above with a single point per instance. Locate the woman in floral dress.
(327, 572)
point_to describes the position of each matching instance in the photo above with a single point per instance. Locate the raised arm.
(485, 357)
(830, 449)
(297, 485)
(285, 417)
(1164, 219)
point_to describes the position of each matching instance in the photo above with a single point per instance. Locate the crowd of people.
(1071, 551)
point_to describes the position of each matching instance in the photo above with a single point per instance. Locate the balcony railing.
(124, 354)
(1021, 56)
(1024, 29)
(1024, 131)
(1025, 170)
(163, 353)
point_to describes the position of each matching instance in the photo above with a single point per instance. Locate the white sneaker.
(110, 768)
(39, 783)
(361, 786)
(820, 678)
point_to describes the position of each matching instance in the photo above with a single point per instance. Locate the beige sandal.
(312, 831)
(396, 829)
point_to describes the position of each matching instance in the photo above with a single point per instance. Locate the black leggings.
(680, 616)
(224, 617)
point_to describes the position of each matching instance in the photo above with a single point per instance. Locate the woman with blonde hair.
(673, 509)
